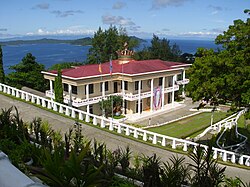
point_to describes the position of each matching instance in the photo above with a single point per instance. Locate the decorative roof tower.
(125, 56)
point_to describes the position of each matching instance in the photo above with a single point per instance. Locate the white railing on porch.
(120, 128)
(181, 82)
(77, 102)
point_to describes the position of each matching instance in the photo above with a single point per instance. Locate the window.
(65, 87)
(106, 86)
(137, 85)
(91, 88)
(160, 81)
(74, 89)
(125, 85)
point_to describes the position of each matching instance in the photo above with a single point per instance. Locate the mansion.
(146, 85)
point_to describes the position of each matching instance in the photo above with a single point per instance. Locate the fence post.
(215, 155)
(94, 121)
(13, 92)
(185, 146)
(102, 123)
(17, 94)
(224, 157)
(241, 161)
(173, 144)
(247, 163)
(80, 116)
(127, 131)
(43, 103)
(135, 134)
(111, 127)
(233, 158)
(49, 105)
(119, 129)
(61, 109)
(87, 118)
(145, 136)
(67, 111)
(32, 99)
(38, 101)
(73, 113)
(154, 139)
(55, 107)
(163, 142)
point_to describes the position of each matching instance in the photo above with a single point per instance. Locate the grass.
(244, 128)
(190, 126)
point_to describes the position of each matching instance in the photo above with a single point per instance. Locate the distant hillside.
(81, 41)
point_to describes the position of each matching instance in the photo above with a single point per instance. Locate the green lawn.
(244, 128)
(189, 126)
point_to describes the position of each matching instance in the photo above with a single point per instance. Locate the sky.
(196, 19)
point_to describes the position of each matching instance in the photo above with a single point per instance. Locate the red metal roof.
(131, 68)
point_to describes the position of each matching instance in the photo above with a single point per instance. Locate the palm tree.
(206, 170)
(175, 173)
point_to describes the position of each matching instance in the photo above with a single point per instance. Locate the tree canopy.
(2, 76)
(224, 75)
(27, 73)
(58, 87)
(106, 43)
(160, 49)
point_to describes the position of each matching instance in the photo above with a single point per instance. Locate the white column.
(162, 93)
(103, 89)
(87, 97)
(139, 98)
(70, 95)
(87, 91)
(183, 86)
(174, 78)
(152, 95)
(51, 86)
(123, 99)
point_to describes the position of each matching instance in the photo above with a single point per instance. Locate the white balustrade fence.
(127, 130)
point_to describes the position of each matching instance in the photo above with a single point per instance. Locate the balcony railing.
(182, 82)
(77, 102)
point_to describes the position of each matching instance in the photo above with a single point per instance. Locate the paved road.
(29, 112)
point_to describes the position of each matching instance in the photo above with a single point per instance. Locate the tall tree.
(27, 73)
(160, 49)
(58, 87)
(2, 76)
(224, 75)
(106, 43)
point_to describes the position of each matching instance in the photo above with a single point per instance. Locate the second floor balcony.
(78, 102)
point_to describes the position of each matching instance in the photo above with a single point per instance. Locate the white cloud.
(117, 20)
(157, 4)
(43, 6)
(119, 5)
(67, 13)
(215, 9)
(200, 34)
(73, 30)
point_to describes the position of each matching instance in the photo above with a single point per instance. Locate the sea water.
(49, 54)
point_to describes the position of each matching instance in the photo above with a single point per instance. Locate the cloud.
(158, 4)
(215, 9)
(73, 30)
(67, 13)
(119, 5)
(117, 20)
(43, 6)
(202, 34)
(121, 21)
(3, 29)
(165, 30)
